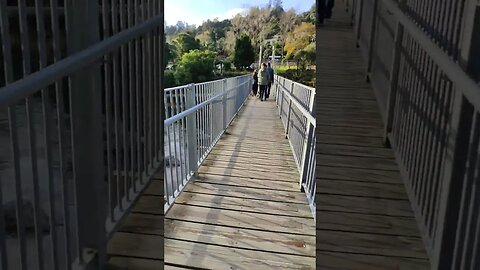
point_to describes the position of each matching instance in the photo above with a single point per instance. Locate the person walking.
(271, 73)
(263, 78)
(255, 82)
(324, 10)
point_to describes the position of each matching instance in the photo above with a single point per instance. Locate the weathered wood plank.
(365, 223)
(240, 238)
(352, 150)
(136, 245)
(373, 244)
(246, 192)
(126, 263)
(364, 205)
(267, 175)
(247, 182)
(143, 223)
(361, 189)
(358, 174)
(219, 257)
(348, 261)
(246, 220)
(244, 205)
(357, 162)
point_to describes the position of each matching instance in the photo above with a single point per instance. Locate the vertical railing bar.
(407, 98)
(470, 202)
(138, 96)
(173, 159)
(132, 98)
(156, 91)
(108, 77)
(151, 90)
(427, 146)
(124, 114)
(432, 157)
(359, 24)
(47, 133)
(116, 113)
(24, 36)
(415, 127)
(60, 131)
(145, 92)
(178, 110)
(371, 46)
(7, 62)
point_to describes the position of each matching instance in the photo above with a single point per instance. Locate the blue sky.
(197, 11)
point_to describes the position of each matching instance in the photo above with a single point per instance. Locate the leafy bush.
(169, 79)
(195, 66)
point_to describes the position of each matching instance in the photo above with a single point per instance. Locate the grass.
(307, 77)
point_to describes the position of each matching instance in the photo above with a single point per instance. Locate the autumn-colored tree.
(297, 40)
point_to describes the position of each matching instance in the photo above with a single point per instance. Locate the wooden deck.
(245, 210)
(364, 218)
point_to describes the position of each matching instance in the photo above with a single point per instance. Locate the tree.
(186, 42)
(299, 39)
(169, 54)
(244, 52)
(195, 66)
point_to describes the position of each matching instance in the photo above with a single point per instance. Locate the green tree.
(186, 42)
(195, 66)
(244, 52)
(169, 53)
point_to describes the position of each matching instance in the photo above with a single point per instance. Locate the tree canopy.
(186, 42)
(244, 53)
(195, 66)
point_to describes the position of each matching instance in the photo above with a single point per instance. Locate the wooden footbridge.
(375, 168)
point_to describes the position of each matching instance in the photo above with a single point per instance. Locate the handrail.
(299, 130)
(196, 125)
(197, 107)
(464, 83)
(45, 77)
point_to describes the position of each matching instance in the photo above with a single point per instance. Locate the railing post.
(191, 131)
(287, 128)
(308, 141)
(394, 76)
(372, 39)
(359, 25)
(87, 140)
(224, 104)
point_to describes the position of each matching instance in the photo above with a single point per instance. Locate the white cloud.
(232, 13)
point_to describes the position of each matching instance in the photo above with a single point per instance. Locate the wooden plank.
(363, 205)
(147, 204)
(246, 192)
(358, 174)
(143, 223)
(252, 166)
(350, 140)
(216, 257)
(337, 130)
(240, 238)
(348, 261)
(272, 223)
(155, 188)
(244, 157)
(374, 244)
(245, 205)
(362, 189)
(268, 175)
(247, 182)
(351, 150)
(126, 263)
(365, 223)
(136, 245)
(357, 162)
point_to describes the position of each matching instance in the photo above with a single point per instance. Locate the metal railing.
(197, 116)
(295, 106)
(80, 125)
(424, 54)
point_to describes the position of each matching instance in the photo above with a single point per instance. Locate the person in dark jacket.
(255, 82)
(324, 10)
(271, 73)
